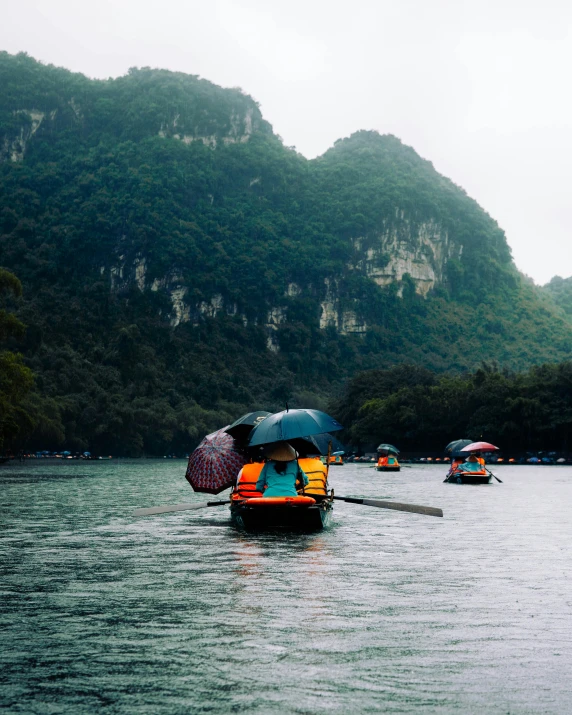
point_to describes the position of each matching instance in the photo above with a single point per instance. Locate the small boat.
(388, 464)
(310, 511)
(468, 469)
(336, 460)
(462, 473)
(292, 513)
(460, 477)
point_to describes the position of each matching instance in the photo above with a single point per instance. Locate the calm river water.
(385, 612)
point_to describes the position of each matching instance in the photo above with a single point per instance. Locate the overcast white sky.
(479, 87)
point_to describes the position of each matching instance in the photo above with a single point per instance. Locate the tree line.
(419, 410)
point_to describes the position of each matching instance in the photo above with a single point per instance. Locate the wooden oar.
(413, 508)
(374, 466)
(494, 475)
(176, 507)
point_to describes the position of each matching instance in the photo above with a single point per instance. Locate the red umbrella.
(478, 447)
(215, 463)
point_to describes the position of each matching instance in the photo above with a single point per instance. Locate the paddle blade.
(500, 481)
(413, 508)
(176, 507)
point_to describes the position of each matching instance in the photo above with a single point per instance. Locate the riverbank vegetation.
(418, 409)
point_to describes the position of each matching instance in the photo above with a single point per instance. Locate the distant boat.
(336, 460)
(463, 474)
(388, 463)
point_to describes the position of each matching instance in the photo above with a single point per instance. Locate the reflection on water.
(386, 611)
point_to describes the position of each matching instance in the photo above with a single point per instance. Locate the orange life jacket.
(317, 475)
(246, 486)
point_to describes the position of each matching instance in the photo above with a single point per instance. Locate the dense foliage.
(117, 195)
(560, 290)
(417, 410)
(15, 379)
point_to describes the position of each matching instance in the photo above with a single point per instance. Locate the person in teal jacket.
(472, 465)
(279, 474)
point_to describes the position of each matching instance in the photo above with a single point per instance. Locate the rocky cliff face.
(240, 129)
(417, 250)
(420, 250)
(26, 123)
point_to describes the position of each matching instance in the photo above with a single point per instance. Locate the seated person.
(472, 465)
(279, 474)
(456, 463)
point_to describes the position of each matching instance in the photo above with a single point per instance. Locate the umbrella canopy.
(243, 426)
(304, 446)
(214, 464)
(317, 444)
(479, 447)
(289, 424)
(388, 448)
(454, 448)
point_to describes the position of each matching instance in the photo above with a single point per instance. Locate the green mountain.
(180, 265)
(560, 290)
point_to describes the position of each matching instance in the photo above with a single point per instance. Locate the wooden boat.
(336, 460)
(309, 511)
(460, 476)
(459, 473)
(281, 513)
(388, 464)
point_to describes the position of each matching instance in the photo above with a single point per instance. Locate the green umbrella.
(388, 448)
(453, 449)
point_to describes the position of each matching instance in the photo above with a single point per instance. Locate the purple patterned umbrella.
(215, 463)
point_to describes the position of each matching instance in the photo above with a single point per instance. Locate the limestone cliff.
(161, 201)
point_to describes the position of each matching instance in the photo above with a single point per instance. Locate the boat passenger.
(472, 465)
(456, 464)
(278, 476)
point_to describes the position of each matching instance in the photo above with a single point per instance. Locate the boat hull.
(388, 469)
(312, 518)
(466, 478)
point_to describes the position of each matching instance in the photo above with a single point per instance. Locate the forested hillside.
(560, 290)
(181, 266)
